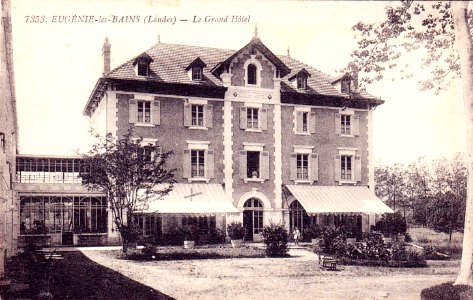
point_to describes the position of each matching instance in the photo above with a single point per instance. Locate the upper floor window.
(305, 121)
(345, 124)
(197, 115)
(301, 82)
(254, 163)
(196, 74)
(251, 74)
(144, 111)
(345, 86)
(198, 163)
(143, 68)
(252, 117)
(346, 167)
(302, 166)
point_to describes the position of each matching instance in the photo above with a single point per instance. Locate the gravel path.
(296, 277)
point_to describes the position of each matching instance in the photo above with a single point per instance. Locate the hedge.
(447, 291)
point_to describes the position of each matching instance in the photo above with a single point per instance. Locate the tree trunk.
(465, 51)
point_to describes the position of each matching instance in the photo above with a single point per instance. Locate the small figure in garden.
(297, 235)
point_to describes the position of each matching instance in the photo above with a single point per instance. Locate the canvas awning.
(338, 199)
(188, 198)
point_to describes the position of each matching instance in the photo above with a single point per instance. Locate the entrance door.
(253, 217)
(248, 224)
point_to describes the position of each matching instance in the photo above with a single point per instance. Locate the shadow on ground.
(74, 277)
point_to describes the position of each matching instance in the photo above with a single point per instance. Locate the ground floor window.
(58, 214)
(150, 224)
(298, 217)
(206, 224)
(253, 216)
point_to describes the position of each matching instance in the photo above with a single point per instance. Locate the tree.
(391, 185)
(419, 189)
(130, 172)
(431, 29)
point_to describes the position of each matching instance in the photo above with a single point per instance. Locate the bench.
(328, 262)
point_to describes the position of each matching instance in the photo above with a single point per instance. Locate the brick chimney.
(106, 56)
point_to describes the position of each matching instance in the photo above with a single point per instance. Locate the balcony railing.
(48, 177)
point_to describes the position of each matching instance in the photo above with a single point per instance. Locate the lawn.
(440, 241)
(75, 277)
(295, 277)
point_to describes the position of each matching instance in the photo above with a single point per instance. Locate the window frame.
(198, 115)
(345, 124)
(141, 112)
(142, 68)
(302, 160)
(200, 164)
(346, 168)
(253, 117)
(254, 74)
(301, 82)
(197, 74)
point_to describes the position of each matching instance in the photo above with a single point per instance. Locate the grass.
(75, 277)
(440, 241)
(201, 252)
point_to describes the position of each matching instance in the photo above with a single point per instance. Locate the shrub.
(216, 236)
(275, 238)
(314, 231)
(236, 231)
(332, 239)
(446, 291)
(190, 233)
(391, 224)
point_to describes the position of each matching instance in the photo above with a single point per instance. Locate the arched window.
(251, 74)
(298, 216)
(253, 217)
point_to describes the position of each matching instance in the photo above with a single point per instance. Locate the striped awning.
(189, 198)
(338, 199)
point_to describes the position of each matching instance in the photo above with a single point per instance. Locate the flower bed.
(204, 252)
(383, 263)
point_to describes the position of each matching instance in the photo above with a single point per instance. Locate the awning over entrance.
(187, 198)
(338, 199)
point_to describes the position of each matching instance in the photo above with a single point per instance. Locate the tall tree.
(130, 172)
(391, 185)
(435, 30)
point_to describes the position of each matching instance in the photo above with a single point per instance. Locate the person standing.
(297, 235)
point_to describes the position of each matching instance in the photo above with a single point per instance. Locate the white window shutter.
(358, 168)
(293, 166)
(243, 124)
(186, 164)
(299, 121)
(209, 115)
(209, 161)
(156, 112)
(158, 152)
(314, 167)
(264, 118)
(243, 165)
(312, 121)
(338, 124)
(132, 111)
(187, 114)
(338, 168)
(355, 125)
(264, 165)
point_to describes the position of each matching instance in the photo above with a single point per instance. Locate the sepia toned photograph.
(236, 149)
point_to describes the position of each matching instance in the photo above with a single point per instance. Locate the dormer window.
(299, 80)
(251, 71)
(345, 86)
(196, 73)
(195, 69)
(142, 65)
(143, 69)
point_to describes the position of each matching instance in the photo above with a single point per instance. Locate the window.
(144, 111)
(48, 214)
(302, 166)
(345, 86)
(143, 68)
(251, 74)
(196, 74)
(305, 121)
(253, 216)
(345, 124)
(147, 153)
(197, 115)
(205, 224)
(252, 118)
(302, 82)
(346, 167)
(252, 168)
(197, 163)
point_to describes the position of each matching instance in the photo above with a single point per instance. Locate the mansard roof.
(170, 64)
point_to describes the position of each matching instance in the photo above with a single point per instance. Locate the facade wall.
(172, 135)
(325, 141)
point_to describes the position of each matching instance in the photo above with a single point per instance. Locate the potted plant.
(190, 235)
(236, 232)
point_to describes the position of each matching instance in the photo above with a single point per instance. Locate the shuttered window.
(302, 166)
(252, 118)
(197, 163)
(345, 124)
(346, 167)
(197, 115)
(144, 111)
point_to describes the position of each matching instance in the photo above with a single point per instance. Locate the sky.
(57, 63)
